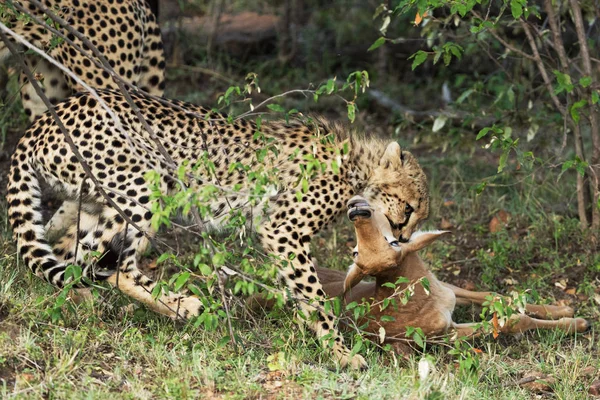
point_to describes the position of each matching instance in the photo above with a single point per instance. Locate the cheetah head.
(398, 188)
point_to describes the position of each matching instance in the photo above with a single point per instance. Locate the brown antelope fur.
(124, 31)
(387, 261)
(389, 178)
(379, 255)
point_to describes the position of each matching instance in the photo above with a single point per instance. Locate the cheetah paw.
(355, 362)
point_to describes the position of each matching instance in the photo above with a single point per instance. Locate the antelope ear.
(392, 156)
(420, 240)
(354, 276)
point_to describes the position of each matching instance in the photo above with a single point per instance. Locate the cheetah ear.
(392, 158)
(354, 276)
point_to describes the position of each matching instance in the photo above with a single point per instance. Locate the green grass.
(101, 351)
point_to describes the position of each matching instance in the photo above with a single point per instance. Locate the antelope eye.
(355, 254)
(408, 209)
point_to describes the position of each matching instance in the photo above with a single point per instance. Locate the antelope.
(380, 255)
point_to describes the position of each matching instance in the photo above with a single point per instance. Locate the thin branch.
(542, 69)
(594, 125)
(582, 197)
(504, 42)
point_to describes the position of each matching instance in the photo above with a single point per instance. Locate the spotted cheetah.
(124, 31)
(389, 178)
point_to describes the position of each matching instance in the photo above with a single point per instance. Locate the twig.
(594, 125)
(542, 69)
(504, 42)
(582, 199)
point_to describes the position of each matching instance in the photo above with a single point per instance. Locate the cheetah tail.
(24, 213)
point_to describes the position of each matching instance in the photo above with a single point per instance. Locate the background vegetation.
(501, 119)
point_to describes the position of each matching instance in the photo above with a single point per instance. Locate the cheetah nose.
(403, 240)
(357, 201)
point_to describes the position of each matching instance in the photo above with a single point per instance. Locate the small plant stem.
(582, 200)
(595, 132)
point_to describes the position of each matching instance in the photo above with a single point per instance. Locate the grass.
(100, 351)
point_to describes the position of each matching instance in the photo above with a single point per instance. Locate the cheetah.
(391, 180)
(124, 31)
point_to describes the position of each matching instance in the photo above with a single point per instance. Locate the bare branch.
(504, 42)
(542, 68)
(595, 128)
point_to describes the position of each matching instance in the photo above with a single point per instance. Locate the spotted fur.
(124, 31)
(389, 178)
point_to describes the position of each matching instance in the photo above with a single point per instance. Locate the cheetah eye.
(408, 209)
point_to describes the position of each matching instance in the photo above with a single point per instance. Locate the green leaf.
(516, 8)
(464, 95)
(575, 109)
(585, 81)
(276, 108)
(595, 97)
(389, 285)
(356, 348)
(482, 133)
(163, 257)
(351, 112)
(564, 82)
(181, 280)
(503, 159)
(387, 318)
(218, 259)
(419, 58)
(377, 44)
(418, 340)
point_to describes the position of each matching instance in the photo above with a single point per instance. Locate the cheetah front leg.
(290, 239)
(128, 278)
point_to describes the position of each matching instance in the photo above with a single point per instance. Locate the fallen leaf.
(495, 325)
(26, 377)
(468, 285)
(537, 382)
(562, 284)
(446, 225)
(589, 372)
(594, 389)
(424, 368)
(564, 302)
(499, 221)
(509, 281)
(495, 225)
(449, 203)
(503, 216)
(571, 291)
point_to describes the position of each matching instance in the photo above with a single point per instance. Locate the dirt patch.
(7, 375)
